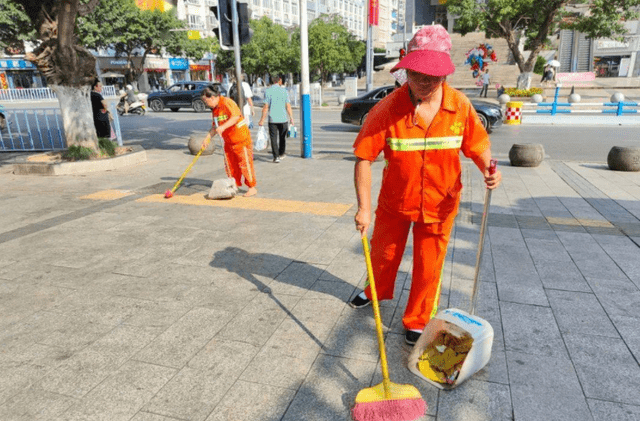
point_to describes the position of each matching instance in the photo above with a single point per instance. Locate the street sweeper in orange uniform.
(230, 124)
(420, 128)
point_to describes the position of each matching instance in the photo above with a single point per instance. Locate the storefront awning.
(17, 64)
(111, 74)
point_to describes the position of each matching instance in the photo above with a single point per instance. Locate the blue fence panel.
(17, 135)
(620, 108)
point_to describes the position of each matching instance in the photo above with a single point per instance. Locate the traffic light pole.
(305, 100)
(236, 48)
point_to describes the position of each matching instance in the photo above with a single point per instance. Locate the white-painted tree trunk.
(524, 80)
(77, 116)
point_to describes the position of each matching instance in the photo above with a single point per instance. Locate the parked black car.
(355, 110)
(181, 95)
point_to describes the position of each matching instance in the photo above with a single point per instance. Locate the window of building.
(266, 3)
(195, 21)
(192, 1)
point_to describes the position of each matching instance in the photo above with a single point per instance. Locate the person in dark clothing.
(100, 112)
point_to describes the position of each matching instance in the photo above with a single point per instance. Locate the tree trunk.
(77, 116)
(524, 80)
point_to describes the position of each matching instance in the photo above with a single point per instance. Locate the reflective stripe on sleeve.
(424, 144)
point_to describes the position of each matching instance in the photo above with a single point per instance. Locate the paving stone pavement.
(113, 307)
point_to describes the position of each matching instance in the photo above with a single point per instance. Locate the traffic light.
(245, 31)
(224, 31)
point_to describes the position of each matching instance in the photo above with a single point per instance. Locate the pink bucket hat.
(428, 52)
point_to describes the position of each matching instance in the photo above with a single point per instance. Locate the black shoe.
(359, 302)
(411, 337)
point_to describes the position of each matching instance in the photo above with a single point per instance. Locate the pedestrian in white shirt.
(486, 79)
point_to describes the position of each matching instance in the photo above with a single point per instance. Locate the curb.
(23, 167)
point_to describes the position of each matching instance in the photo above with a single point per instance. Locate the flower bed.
(515, 92)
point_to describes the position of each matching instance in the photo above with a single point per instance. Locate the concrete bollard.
(536, 98)
(195, 143)
(341, 99)
(624, 158)
(504, 98)
(526, 154)
(617, 97)
(574, 98)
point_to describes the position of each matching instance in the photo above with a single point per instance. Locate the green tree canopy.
(270, 50)
(535, 19)
(15, 26)
(332, 48)
(131, 31)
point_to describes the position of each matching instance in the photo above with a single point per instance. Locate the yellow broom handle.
(205, 143)
(386, 383)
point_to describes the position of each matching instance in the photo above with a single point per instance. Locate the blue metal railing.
(619, 110)
(39, 129)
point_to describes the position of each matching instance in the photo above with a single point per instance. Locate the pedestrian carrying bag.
(262, 140)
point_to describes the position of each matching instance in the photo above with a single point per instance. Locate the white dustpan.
(223, 188)
(458, 322)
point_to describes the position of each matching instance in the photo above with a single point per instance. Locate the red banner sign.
(374, 6)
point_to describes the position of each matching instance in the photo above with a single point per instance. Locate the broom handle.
(205, 143)
(483, 226)
(386, 383)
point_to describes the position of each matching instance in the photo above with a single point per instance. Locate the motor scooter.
(137, 107)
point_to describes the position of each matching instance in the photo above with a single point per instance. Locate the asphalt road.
(169, 130)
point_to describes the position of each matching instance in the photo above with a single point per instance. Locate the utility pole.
(305, 100)
(369, 56)
(372, 19)
(236, 48)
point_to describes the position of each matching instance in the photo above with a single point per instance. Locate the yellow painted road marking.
(108, 195)
(252, 203)
(580, 221)
(256, 203)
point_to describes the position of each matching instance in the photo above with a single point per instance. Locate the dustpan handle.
(483, 226)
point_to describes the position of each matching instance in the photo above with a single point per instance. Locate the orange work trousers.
(429, 250)
(239, 163)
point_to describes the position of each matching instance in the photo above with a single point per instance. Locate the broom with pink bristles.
(386, 401)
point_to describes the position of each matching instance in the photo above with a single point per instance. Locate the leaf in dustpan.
(442, 359)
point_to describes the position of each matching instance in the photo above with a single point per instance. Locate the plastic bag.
(293, 131)
(262, 140)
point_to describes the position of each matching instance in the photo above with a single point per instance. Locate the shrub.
(538, 68)
(78, 153)
(107, 146)
(522, 92)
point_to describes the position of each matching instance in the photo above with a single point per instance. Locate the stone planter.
(526, 154)
(195, 143)
(624, 158)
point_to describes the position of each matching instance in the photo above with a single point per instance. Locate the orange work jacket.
(421, 179)
(237, 134)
